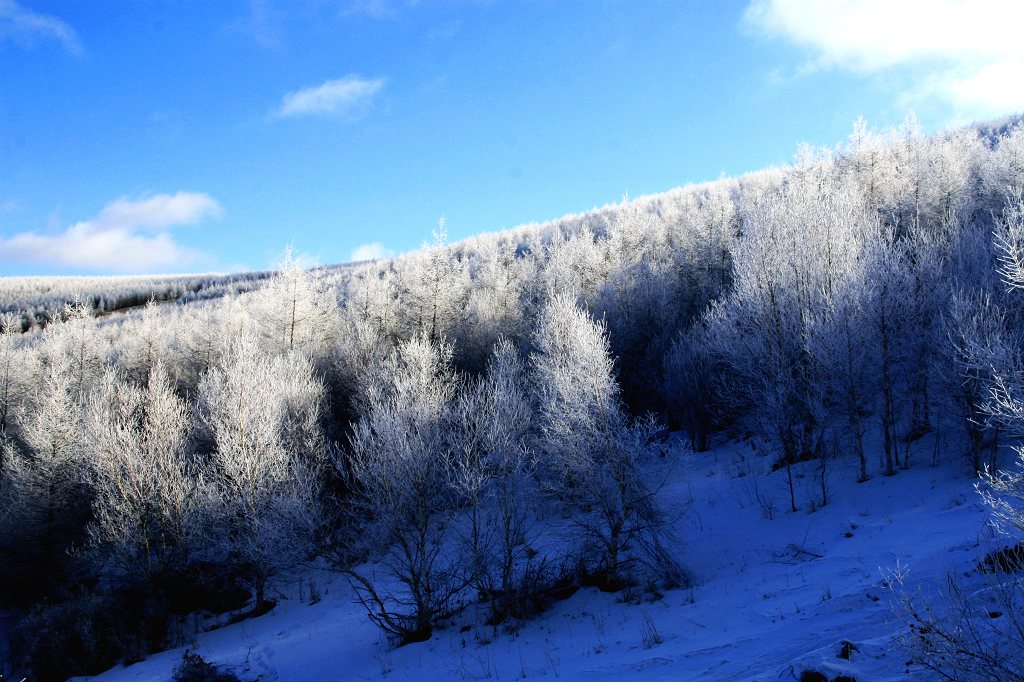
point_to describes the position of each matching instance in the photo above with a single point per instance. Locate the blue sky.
(182, 135)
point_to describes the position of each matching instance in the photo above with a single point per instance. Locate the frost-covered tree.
(1009, 238)
(1002, 170)
(589, 452)
(374, 297)
(495, 308)
(800, 244)
(437, 290)
(871, 161)
(48, 482)
(71, 346)
(688, 387)
(295, 311)
(886, 314)
(574, 376)
(640, 299)
(990, 345)
(844, 345)
(926, 297)
(978, 633)
(491, 465)
(144, 481)
(936, 176)
(262, 415)
(141, 343)
(17, 366)
(978, 336)
(398, 464)
(191, 343)
(360, 344)
(572, 263)
(702, 227)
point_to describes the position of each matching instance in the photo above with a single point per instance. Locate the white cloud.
(126, 236)
(349, 96)
(966, 52)
(158, 212)
(26, 27)
(373, 251)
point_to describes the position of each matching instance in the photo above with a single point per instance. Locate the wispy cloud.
(375, 9)
(23, 26)
(373, 251)
(350, 96)
(965, 52)
(263, 22)
(126, 236)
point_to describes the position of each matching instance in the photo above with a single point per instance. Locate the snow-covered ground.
(772, 597)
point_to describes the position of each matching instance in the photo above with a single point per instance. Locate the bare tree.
(966, 634)
(689, 386)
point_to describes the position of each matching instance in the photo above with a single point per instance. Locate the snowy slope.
(772, 597)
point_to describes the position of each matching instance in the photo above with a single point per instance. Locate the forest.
(173, 448)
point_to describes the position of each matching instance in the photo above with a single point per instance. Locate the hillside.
(771, 598)
(38, 299)
(693, 434)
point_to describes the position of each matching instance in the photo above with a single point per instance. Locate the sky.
(160, 136)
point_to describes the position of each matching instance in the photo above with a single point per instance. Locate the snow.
(771, 598)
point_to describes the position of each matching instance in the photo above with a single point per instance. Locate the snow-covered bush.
(966, 633)
(195, 668)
